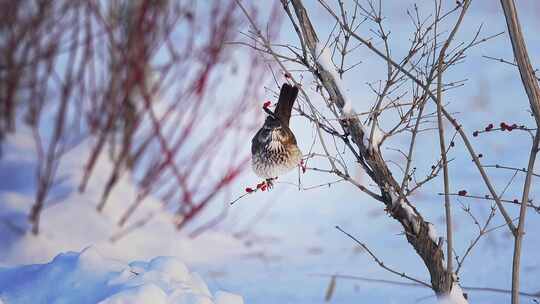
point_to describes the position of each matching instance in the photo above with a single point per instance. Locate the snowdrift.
(88, 277)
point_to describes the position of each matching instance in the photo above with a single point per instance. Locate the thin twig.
(378, 261)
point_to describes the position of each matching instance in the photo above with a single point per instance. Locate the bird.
(274, 150)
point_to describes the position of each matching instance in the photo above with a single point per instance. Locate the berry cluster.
(503, 126)
(262, 186)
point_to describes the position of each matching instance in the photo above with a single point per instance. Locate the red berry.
(503, 126)
(489, 127)
(263, 187)
(512, 127)
(259, 185)
(462, 192)
(266, 104)
(249, 190)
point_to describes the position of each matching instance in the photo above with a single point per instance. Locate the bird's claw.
(270, 183)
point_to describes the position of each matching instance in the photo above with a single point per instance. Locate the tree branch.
(532, 89)
(416, 228)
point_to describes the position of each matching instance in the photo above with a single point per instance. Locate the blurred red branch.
(146, 80)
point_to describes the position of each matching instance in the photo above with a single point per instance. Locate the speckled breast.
(270, 163)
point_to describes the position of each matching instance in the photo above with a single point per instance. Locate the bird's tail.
(287, 96)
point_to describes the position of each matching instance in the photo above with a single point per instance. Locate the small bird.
(273, 149)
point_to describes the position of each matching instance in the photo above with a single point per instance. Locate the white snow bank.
(87, 277)
(73, 223)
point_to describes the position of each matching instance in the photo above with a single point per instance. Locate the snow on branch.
(324, 59)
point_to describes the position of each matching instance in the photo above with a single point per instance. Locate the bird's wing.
(257, 142)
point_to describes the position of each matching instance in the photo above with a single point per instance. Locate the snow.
(292, 250)
(411, 215)
(223, 297)
(88, 277)
(376, 137)
(455, 296)
(74, 224)
(146, 265)
(432, 232)
(157, 237)
(324, 58)
(408, 209)
(394, 197)
(325, 61)
(147, 293)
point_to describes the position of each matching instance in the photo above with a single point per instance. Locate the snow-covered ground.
(82, 256)
(88, 277)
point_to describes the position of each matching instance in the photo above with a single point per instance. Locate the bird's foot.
(302, 166)
(270, 183)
